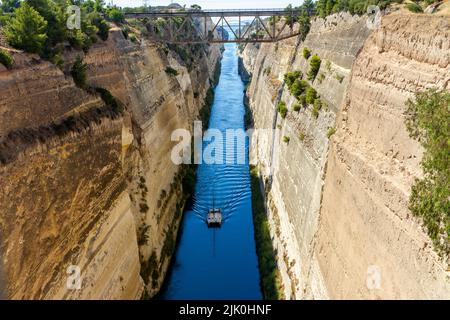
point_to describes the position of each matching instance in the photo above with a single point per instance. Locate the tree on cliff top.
(9, 5)
(26, 30)
(116, 15)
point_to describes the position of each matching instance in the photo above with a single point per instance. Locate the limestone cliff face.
(372, 165)
(338, 206)
(85, 185)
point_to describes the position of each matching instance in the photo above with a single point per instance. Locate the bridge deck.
(214, 13)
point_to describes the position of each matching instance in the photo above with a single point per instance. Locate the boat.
(214, 218)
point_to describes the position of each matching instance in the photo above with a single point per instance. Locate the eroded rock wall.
(81, 183)
(364, 220)
(318, 219)
(294, 171)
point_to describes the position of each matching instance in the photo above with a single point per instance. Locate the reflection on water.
(219, 263)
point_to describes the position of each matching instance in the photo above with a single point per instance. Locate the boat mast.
(213, 207)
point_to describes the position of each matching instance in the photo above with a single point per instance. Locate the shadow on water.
(219, 263)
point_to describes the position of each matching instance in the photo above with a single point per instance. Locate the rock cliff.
(85, 187)
(338, 203)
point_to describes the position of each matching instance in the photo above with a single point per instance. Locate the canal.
(219, 263)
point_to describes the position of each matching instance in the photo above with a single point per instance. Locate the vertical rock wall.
(320, 220)
(82, 184)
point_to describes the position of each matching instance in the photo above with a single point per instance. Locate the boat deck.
(214, 218)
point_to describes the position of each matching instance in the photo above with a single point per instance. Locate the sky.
(212, 4)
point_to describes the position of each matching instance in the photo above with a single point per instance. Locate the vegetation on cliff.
(291, 76)
(27, 30)
(303, 92)
(314, 66)
(6, 59)
(427, 120)
(40, 26)
(78, 72)
(282, 109)
(171, 71)
(270, 275)
(414, 7)
(306, 53)
(327, 7)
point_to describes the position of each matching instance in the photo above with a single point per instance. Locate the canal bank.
(219, 263)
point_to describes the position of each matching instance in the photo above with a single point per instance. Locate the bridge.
(212, 26)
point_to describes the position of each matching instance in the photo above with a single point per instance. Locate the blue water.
(219, 263)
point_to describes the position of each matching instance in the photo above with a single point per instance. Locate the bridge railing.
(214, 12)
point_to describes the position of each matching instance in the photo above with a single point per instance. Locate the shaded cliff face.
(82, 182)
(320, 221)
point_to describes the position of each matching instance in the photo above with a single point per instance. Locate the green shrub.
(39, 26)
(143, 236)
(302, 100)
(116, 15)
(205, 111)
(298, 88)
(428, 120)
(102, 26)
(414, 7)
(78, 72)
(315, 112)
(269, 273)
(339, 77)
(9, 5)
(331, 131)
(125, 31)
(304, 25)
(311, 95)
(314, 67)
(169, 243)
(110, 100)
(26, 30)
(327, 7)
(297, 107)
(286, 139)
(171, 71)
(321, 77)
(58, 60)
(282, 109)
(4, 19)
(306, 53)
(291, 76)
(318, 104)
(133, 38)
(302, 136)
(155, 277)
(147, 267)
(6, 59)
(79, 40)
(143, 207)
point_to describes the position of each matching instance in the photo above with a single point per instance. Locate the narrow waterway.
(219, 263)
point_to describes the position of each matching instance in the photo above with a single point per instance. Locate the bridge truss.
(212, 26)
